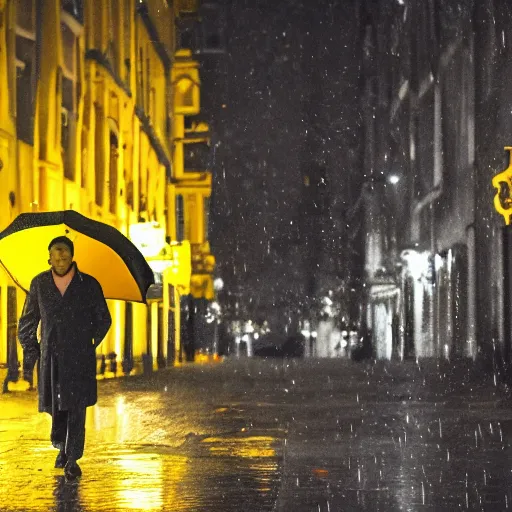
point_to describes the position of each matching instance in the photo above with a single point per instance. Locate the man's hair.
(63, 240)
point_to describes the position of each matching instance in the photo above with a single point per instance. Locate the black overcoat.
(72, 326)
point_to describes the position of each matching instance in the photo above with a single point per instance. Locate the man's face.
(60, 258)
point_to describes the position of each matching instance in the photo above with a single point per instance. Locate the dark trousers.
(68, 432)
(68, 427)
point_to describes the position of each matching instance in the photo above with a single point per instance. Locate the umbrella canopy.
(100, 250)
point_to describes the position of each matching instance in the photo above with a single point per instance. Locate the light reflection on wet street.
(259, 435)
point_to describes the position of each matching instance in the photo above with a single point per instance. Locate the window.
(127, 17)
(424, 40)
(186, 94)
(97, 29)
(112, 182)
(147, 91)
(140, 79)
(196, 156)
(424, 168)
(180, 218)
(25, 15)
(187, 38)
(114, 34)
(152, 105)
(25, 69)
(70, 99)
(187, 6)
(212, 29)
(129, 194)
(85, 164)
(206, 208)
(75, 8)
(99, 157)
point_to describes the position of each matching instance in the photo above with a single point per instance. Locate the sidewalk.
(138, 369)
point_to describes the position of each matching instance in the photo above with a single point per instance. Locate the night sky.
(284, 98)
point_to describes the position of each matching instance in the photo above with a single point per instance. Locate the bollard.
(12, 376)
(127, 365)
(147, 363)
(113, 362)
(13, 366)
(160, 362)
(103, 365)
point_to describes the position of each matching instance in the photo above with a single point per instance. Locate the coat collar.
(77, 278)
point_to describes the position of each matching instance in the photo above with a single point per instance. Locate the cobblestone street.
(258, 435)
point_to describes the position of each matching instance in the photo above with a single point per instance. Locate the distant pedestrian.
(74, 320)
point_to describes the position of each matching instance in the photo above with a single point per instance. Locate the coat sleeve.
(102, 317)
(27, 329)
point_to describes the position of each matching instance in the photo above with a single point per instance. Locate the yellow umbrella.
(100, 250)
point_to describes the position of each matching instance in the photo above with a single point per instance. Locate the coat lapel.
(72, 287)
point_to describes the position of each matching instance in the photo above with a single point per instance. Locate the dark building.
(437, 116)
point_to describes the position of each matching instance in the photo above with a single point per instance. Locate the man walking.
(74, 320)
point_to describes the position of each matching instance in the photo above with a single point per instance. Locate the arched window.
(186, 95)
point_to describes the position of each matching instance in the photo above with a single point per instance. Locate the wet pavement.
(276, 435)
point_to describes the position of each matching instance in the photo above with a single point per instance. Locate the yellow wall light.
(502, 182)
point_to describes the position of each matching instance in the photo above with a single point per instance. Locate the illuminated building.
(91, 109)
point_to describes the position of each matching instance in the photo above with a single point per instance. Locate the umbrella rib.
(12, 277)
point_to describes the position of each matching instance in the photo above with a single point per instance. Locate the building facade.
(94, 97)
(436, 119)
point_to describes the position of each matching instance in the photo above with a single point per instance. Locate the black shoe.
(61, 459)
(72, 470)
